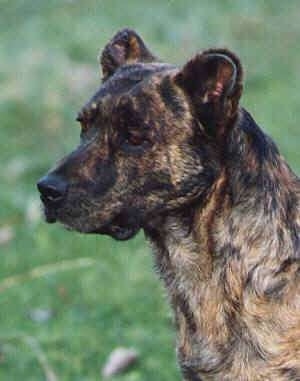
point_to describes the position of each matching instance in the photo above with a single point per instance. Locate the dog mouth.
(121, 233)
(122, 227)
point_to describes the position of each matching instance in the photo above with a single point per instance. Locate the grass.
(101, 293)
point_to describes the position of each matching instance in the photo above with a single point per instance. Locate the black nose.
(52, 189)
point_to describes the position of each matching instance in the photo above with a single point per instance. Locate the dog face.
(151, 140)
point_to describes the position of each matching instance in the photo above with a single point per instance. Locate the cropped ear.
(213, 82)
(124, 48)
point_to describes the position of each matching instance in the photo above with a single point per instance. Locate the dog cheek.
(105, 178)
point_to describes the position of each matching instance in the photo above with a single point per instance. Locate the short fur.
(170, 151)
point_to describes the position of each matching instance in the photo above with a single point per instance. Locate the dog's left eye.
(134, 143)
(134, 140)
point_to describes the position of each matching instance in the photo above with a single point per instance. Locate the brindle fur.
(170, 150)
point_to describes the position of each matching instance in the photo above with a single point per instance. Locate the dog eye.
(135, 140)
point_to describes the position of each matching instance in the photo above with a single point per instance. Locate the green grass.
(48, 69)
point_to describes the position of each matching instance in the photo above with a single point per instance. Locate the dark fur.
(170, 151)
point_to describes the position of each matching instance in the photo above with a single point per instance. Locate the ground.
(98, 293)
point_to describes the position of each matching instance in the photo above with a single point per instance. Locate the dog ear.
(212, 81)
(124, 48)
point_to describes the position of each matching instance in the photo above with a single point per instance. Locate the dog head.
(151, 139)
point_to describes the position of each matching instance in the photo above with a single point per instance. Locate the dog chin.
(116, 229)
(120, 233)
(122, 227)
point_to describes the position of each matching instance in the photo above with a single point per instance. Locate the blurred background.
(66, 300)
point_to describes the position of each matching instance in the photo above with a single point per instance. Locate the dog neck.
(189, 263)
(254, 202)
(220, 257)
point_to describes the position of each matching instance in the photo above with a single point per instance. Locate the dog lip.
(50, 218)
(50, 214)
(121, 227)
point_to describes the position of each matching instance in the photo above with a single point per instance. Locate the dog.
(170, 150)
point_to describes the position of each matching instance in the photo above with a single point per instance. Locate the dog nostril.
(52, 194)
(52, 189)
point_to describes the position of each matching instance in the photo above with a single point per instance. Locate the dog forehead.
(127, 82)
